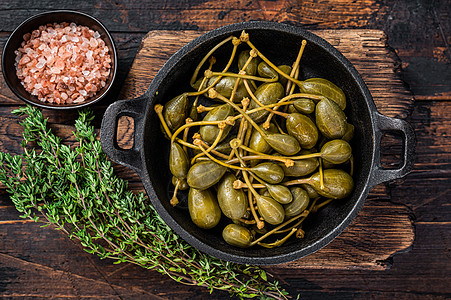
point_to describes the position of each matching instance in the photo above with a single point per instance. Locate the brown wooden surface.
(41, 262)
(381, 229)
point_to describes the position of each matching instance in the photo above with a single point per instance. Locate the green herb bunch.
(75, 189)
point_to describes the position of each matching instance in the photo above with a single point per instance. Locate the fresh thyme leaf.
(76, 190)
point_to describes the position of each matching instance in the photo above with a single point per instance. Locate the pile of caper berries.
(266, 152)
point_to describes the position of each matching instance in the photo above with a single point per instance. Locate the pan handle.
(136, 109)
(384, 124)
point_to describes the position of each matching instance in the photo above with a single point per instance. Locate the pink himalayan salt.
(63, 63)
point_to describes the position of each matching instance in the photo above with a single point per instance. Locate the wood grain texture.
(41, 262)
(422, 273)
(419, 30)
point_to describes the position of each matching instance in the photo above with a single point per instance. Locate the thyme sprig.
(75, 189)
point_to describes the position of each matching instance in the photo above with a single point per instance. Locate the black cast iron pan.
(279, 42)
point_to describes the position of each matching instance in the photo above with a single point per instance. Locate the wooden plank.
(132, 15)
(429, 185)
(437, 97)
(42, 261)
(419, 32)
(61, 269)
(366, 49)
(422, 273)
(361, 246)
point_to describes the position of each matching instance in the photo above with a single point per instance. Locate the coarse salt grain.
(63, 63)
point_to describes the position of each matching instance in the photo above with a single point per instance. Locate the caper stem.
(236, 43)
(265, 107)
(213, 94)
(351, 165)
(302, 95)
(248, 61)
(243, 125)
(292, 85)
(235, 87)
(235, 149)
(198, 93)
(275, 229)
(321, 174)
(198, 123)
(201, 108)
(260, 223)
(283, 101)
(212, 62)
(174, 201)
(290, 88)
(296, 225)
(185, 133)
(300, 233)
(249, 222)
(241, 135)
(287, 161)
(305, 213)
(237, 82)
(312, 205)
(278, 242)
(232, 56)
(159, 110)
(259, 186)
(199, 66)
(259, 180)
(325, 202)
(209, 74)
(246, 140)
(215, 143)
(296, 181)
(273, 65)
(296, 64)
(238, 184)
(217, 153)
(222, 163)
(306, 156)
(243, 164)
(183, 143)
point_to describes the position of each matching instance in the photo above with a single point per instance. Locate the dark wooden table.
(39, 262)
